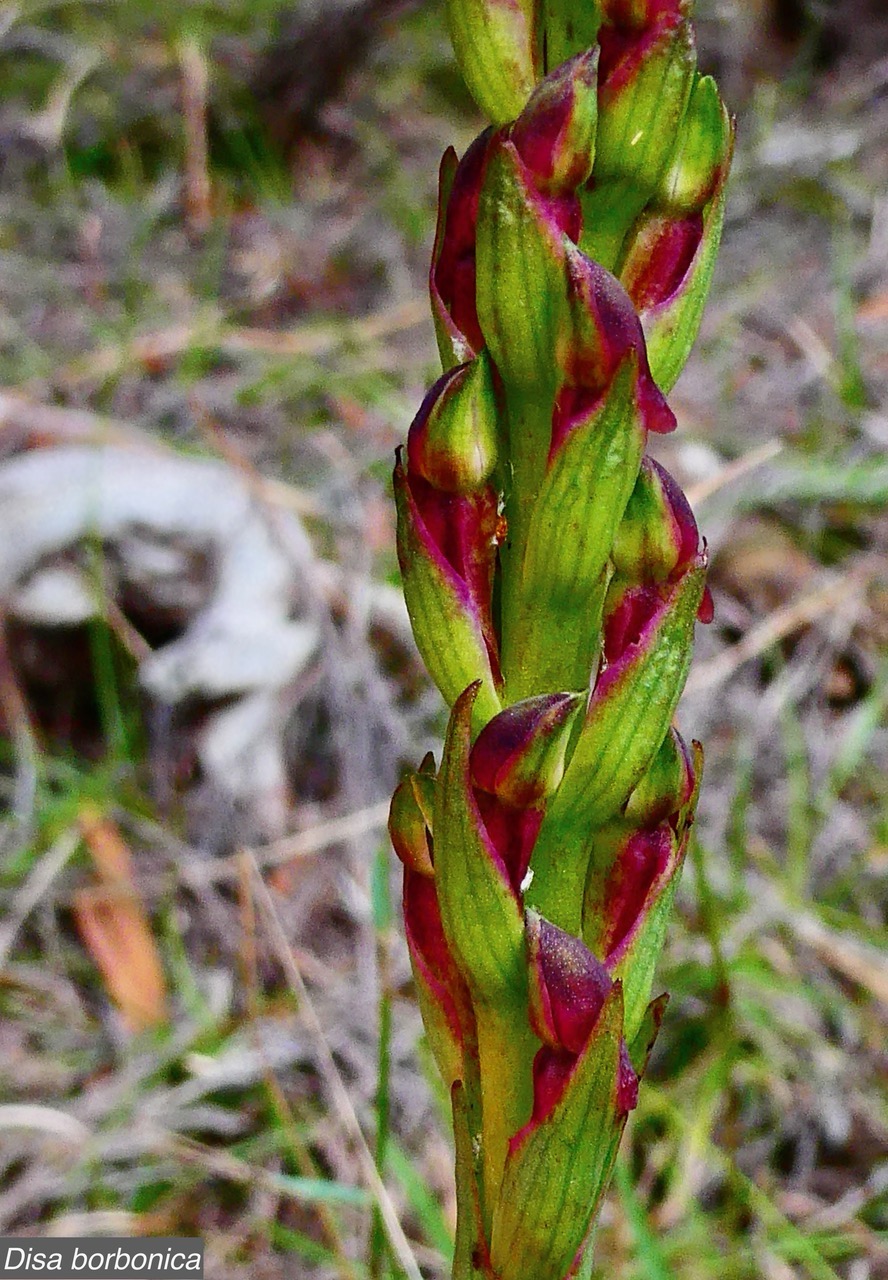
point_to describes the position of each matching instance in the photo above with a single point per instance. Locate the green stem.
(506, 1048)
(558, 886)
(530, 430)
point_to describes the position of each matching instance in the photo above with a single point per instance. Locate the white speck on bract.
(527, 881)
(638, 137)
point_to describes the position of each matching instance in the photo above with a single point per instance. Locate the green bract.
(554, 575)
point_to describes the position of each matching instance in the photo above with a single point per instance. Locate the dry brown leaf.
(115, 930)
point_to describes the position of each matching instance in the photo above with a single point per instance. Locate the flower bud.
(519, 756)
(646, 74)
(604, 328)
(452, 442)
(661, 250)
(555, 133)
(584, 1086)
(646, 79)
(410, 821)
(667, 270)
(667, 788)
(702, 154)
(629, 714)
(568, 985)
(494, 45)
(479, 904)
(517, 762)
(658, 535)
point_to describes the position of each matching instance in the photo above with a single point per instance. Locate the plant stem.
(529, 432)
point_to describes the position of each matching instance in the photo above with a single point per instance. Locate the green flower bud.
(410, 819)
(446, 551)
(479, 907)
(452, 442)
(494, 45)
(519, 756)
(629, 714)
(703, 152)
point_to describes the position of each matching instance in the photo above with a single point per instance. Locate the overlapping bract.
(554, 574)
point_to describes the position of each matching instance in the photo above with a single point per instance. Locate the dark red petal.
(512, 833)
(573, 984)
(668, 257)
(687, 533)
(453, 274)
(429, 948)
(623, 627)
(551, 1072)
(643, 858)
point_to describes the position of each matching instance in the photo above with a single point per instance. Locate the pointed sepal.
(521, 292)
(480, 906)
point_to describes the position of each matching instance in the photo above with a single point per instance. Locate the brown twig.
(195, 88)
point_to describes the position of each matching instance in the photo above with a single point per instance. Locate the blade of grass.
(784, 1236)
(333, 1080)
(647, 1249)
(320, 1190)
(291, 1138)
(380, 899)
(866, 719)
(799, 800)
(422, 1202)
(290, 1241)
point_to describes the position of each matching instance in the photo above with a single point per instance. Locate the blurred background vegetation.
(215, 222)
